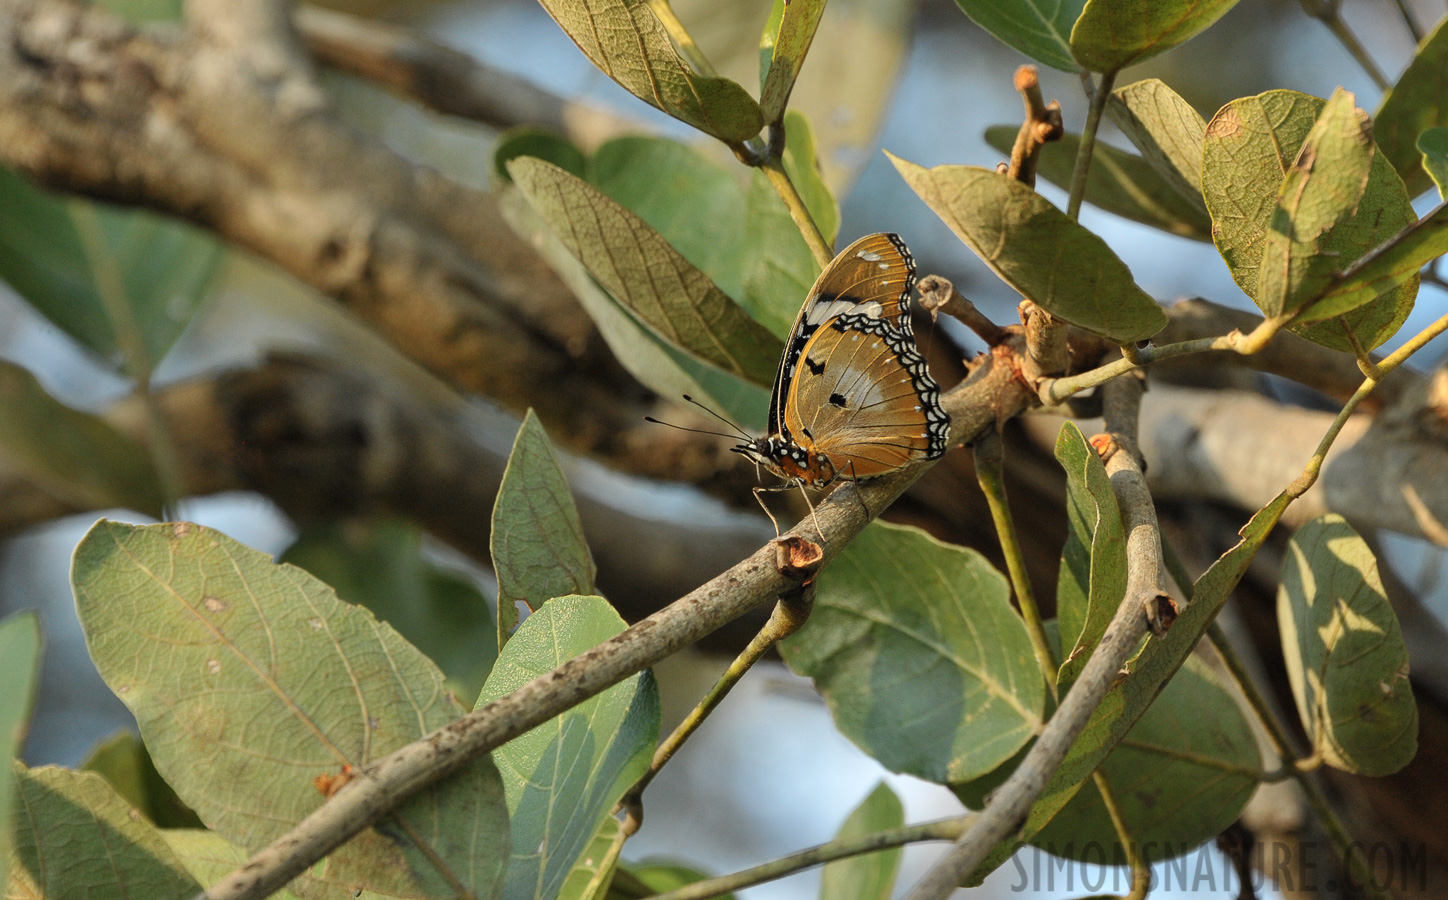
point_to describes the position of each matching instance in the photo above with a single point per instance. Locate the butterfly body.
(853, 398)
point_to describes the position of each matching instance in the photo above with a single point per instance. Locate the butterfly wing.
(872, 277)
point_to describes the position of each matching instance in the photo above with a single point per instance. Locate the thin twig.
(989, 460)
(1327, 12)
(773, 166)
(1409, 20)
(790, 613)
(1041, 125)
(938, 295)
(1099, 94)
(941, 830)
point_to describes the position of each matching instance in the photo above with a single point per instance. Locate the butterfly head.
(788, 460)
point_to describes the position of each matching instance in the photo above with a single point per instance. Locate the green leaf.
(202, 638)
(1041, 29)
(1166, 129)
(1130, 697)
(1418, 101)
(1037, 249)
(802, 162)
(923, 661)
(563, 777)
(528, 140)
(1321, 189)
(870, 876)
(164, 266)
(1433, 145)
(19, 663)
(209, 857)
(782, 48)
(658, 878)
(76, 457)
(75, 837)
(1113, 34)
(1392, 268)
(380, 564)
(651, 278)
(1093, 562)
(626, 40)
(593, 873)
(694, 204)
(1250, 145)
(537, 543)
(1118, 182)
(1344, 651)
(1180, 776)
(657, 365)
(122, 760)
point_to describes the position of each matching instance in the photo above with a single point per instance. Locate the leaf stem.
(1413, 27)
(1054, 390)
(989, 471)
(940, 830)
(1140, 870)
(789, 616)
(1099, 95)
(110, 285)
(682, 39)
(773, 166)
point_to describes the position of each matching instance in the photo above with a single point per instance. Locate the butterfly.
(853, 398)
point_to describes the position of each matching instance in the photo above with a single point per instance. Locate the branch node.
(1042, 124)
(938, 295)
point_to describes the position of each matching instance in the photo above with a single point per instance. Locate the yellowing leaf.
(1166, 129)
(1113, 34)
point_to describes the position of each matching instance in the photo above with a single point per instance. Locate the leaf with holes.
(1418, 101)
(923, 661)
(1119, 182)
(537, 543)
(1037, 249)
(1167, 131)
(868, 876)
(626, 39)
(1092, 580)
(1344, 651)
(648, 276)
(563, 777)
(1113, 34)
(1180, 776)
(1249, 147)
(250, 680)
(75, 837)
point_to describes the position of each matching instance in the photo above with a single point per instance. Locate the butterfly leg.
(759, 493)
(858, 494)
(812, 514)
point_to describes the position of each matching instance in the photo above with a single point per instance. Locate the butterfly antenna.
(711, 412)
(693, 430)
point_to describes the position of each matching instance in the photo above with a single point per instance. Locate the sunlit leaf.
(1320, 190)
(1113, 34)
(1118, 182)
(75, 837)
(1396, 262)
(1041, 29)
(627, 41)
(782, 49)
(869, 876)
(380, 564)
(1344, 651)
(73, 456)
(641, 270)
(1433, 145)
(1180, 776)
(1130, 697)
(250, 680)
(123, 761)
(593, 873)
(1037, 249)
(1166, 129)
(923, 661)
(1418, 101)
(537, 543)
(658, 366)
(1092, 579)
(563, 777)
(163, 266)
(1250, 145)
(19, 663)
(209, 857)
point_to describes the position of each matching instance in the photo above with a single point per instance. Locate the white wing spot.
(869, 256)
